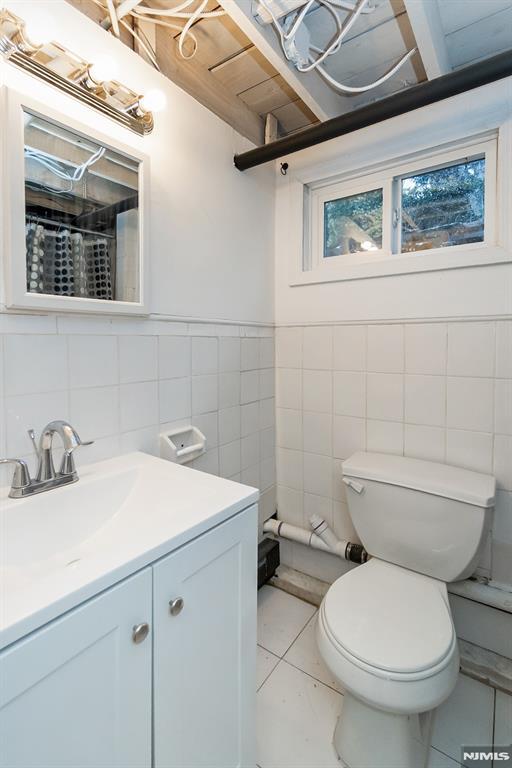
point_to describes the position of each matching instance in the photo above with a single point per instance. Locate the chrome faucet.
(47, 478)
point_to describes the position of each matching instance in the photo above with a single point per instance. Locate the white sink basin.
(61, 547)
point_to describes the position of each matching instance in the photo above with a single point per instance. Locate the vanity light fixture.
(36, 53)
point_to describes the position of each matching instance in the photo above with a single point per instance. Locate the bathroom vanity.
(128, 621)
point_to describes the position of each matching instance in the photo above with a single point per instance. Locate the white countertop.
(64, 546)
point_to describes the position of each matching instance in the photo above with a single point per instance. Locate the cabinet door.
(205, 653)
(77, 693)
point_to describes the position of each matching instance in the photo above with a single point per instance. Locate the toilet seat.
(370, 632)
(390, 621)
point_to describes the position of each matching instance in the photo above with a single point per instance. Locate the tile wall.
(122, 382)
(438, 391)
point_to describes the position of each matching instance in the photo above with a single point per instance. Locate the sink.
(40, 527)
(63, 546)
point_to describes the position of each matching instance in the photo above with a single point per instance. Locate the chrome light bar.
(64, 70)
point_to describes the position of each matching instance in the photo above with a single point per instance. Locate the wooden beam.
(200, 83)
(323, 101)
(425, 21)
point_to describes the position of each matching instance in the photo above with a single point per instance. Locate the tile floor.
(299, 702)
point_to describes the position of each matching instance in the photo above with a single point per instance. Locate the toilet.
(385, 628)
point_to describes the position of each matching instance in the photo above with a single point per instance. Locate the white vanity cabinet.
(77, 693)
(204, 646)
(158, 670)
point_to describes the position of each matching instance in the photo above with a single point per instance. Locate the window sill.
(404, 264)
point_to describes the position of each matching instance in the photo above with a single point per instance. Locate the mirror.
(82, 223)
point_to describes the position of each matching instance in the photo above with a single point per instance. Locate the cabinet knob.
(176, 606)
(139, 633)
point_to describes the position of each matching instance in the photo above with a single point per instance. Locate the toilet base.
(371, 738)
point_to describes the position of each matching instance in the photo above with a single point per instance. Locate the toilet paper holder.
(182, 445)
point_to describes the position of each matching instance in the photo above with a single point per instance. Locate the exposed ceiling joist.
(425, 21)
(319, 97)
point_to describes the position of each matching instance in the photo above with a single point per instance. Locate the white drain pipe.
(322, 538)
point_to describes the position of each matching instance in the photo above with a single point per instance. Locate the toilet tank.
(428, 517)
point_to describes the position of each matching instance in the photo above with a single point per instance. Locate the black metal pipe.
(465, 79)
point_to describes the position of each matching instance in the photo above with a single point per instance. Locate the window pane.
(353, 224)
(443, 207)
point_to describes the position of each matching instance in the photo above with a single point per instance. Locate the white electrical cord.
(54, 167)
(291, 52)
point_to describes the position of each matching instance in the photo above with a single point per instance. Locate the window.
(427, 208)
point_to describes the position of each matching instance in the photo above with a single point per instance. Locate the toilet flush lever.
(357, 487)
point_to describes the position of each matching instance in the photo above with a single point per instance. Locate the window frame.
(389, 260)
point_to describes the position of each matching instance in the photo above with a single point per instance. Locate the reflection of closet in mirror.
(81, 215)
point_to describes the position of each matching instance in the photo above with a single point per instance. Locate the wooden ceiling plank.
(243, 71)
(269, 95)
(425, 21)
(293, 116)
(196, 80)
(218, 39)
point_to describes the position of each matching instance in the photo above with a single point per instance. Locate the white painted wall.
(211, 226)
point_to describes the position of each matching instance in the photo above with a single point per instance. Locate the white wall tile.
(251, 476)
(204, 393)
(504, 349)
(288, 388)
(471, 349)
(317, 505)
(174, 357)
(289, 347)
(349, 436)
(349, 348)
(317, 391)
(249, 386)
(349, 393)
(342, 523)
(385, 436)
(503, 461)
(94, 412)
(207, 423)
(138, 358)
(289, 468)
(470, 404)
(422, 442)
(204, 355)
(229, 459)
(250, 450)
(36, 363)
(250, 354)
(290, 505)
(317, 433)
(425, 400)
(471, 450)
(267, 380)
(503, 406)
(267, 352)
(175, 399)
(267, 474)
(138, 405)
(250, 418)
(268, 443)
(385, 396)
(229, 425)
(317, 474)
(289, 428)
(267, 417)
(33, 411)
(425, 348)
(502, 523)
(229, 389)
(145, 440)
(385, 348)
(208, 462)
(317, 348)
(229, 354)
(93, 361)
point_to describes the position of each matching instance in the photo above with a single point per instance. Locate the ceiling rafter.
(425, 20)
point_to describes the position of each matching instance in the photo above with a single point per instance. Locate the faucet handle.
(67, 466)
(21, 477)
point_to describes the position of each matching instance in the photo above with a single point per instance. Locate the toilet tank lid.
(427, 476)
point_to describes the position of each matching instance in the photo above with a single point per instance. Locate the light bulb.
(104, 68)
(39, 31)
(154, 101)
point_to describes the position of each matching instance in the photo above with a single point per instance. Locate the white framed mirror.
(76, 229)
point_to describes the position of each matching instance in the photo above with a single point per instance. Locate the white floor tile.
(438, 760)
(466, 718)
(265, 663)
(281, 617)
(304, 655)
(296, 720)
(503, 720)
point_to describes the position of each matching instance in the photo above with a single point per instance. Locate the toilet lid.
(390, 618)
